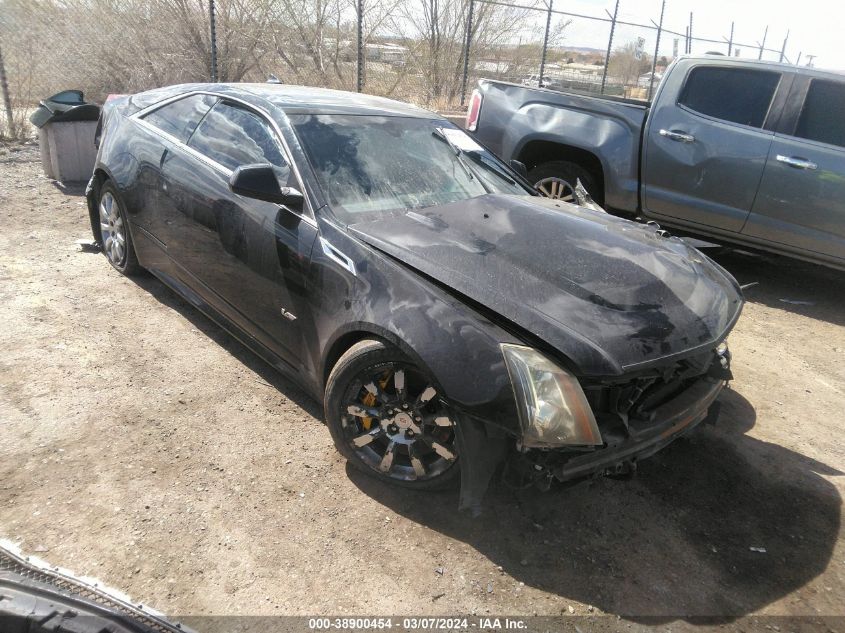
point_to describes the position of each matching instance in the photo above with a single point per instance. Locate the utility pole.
(7, 101)
(763, 45)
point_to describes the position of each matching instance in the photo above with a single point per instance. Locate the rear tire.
(409, 438)
(568, 172)
(115, 238)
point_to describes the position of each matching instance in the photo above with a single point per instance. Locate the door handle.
(681, 137)
(798, 163)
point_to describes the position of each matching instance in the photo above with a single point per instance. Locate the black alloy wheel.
(387, 417)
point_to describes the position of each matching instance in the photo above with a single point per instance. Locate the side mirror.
(260, 182)
(519, 167)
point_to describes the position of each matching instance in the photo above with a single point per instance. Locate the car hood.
(609, 294)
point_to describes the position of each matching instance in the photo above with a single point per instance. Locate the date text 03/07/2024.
(416, 623)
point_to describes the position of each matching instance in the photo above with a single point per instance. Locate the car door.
(248, 258)
(801, 203)
(171, 125)
(705, 152)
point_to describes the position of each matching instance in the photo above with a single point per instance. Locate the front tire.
(387, 418)
(115, 239)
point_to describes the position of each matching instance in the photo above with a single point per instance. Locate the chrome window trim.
(186, 148)
(138, 116)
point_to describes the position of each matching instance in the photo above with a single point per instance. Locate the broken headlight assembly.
(724, 354)
(553, 410)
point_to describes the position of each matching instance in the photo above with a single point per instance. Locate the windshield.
(368, 166)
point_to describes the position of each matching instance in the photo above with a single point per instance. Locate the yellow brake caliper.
(369, 400)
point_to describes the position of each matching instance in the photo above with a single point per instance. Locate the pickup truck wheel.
(557, 178)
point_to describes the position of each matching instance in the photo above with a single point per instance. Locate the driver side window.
(233, 136)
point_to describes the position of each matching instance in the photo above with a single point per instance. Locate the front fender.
(459, 347)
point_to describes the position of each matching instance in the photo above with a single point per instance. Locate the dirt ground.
(142, 445)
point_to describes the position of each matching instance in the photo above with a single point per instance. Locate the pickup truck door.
(801, 202)
(705, 151)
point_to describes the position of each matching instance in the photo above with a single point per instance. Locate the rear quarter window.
(823, 115)
(180, 118)
(737, 95)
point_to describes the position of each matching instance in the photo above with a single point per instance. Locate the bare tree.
(626, 65)
(414, 48)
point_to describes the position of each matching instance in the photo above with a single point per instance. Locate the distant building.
(644, 81)
(387, 53)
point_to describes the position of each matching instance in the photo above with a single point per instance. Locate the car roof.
(303, 99)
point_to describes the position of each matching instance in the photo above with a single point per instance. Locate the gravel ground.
(142, 445)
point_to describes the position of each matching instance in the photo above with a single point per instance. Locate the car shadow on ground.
(265, 372)
(800, 287)
(675, 542)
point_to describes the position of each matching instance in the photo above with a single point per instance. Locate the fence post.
(545, 45)
(212, 20)
(609, 46)
(359, 77)
(689, 38)
(763, 45)
(466, 54)
(731, 41)
(7, 101)
(656, 49)
(783, 48)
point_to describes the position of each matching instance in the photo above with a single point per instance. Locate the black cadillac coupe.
(450, 319)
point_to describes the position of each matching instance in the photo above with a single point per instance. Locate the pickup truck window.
(823, 115)
(738, 95)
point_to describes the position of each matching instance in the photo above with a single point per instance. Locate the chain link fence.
(427, 52)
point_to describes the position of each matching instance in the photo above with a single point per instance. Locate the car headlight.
(553, 410)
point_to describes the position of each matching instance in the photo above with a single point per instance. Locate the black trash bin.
(66, 125)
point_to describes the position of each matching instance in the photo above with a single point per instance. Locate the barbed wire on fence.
(428, 52)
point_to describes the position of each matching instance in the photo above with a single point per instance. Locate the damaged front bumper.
(636, 417)
(671, 420)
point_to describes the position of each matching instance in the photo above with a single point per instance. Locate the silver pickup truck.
(744, 151)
